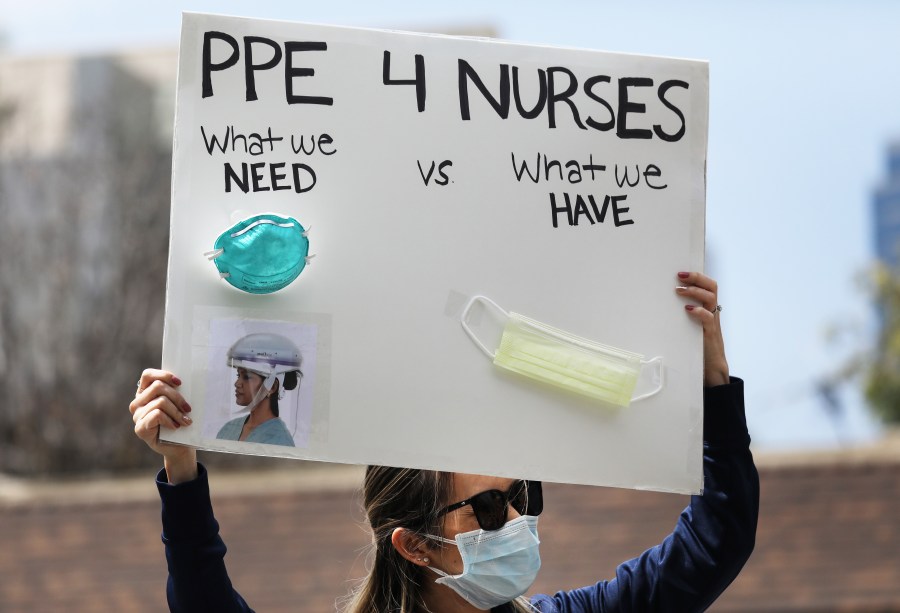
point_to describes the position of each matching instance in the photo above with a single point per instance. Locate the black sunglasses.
(491, 507)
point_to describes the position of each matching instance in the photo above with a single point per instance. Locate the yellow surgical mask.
(561, 359)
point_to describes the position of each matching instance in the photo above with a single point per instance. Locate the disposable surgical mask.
(498, 565)
(561, 359)
(261, 254)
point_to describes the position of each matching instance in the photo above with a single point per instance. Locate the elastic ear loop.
(661, 378)
(464, 315)
(212, 255)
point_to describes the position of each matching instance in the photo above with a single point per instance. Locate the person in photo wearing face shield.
(267, 365)
(460, 543)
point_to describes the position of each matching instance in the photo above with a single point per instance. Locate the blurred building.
(85, 163)
(79, 105)
(887, 212)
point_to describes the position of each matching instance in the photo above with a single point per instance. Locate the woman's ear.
(411, 546)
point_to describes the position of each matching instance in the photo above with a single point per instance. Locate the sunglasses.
(491, 507)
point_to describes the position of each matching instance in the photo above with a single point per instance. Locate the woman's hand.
(157, 403)
(703, 292)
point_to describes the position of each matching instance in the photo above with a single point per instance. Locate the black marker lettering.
(542, 94)
(626, 107)
(290, 73)
(208, 67)
(665, 87)
(419, 81)
(589, 91)
(553, 96)
(466, 73)
(250, 68)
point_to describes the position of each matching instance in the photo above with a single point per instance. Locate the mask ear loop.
(465, 326)
(660, 377)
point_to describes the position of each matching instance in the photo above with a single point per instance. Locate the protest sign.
(390, 178)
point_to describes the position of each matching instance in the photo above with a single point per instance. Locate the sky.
(804, 100)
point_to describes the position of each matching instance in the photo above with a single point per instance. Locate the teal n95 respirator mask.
(566, 361)
(261, 254)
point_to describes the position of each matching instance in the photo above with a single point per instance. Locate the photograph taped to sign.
(262, 382)
(261, 254)
(567, 184)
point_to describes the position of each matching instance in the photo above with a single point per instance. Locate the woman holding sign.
(459, 543)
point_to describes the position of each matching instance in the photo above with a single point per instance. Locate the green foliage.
(882, 377)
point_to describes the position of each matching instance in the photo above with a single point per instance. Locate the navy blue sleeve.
(714, 536)
(195, 553)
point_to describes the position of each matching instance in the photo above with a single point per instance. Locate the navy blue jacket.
(711, 542)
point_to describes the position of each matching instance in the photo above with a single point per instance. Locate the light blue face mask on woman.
(261, 254)
(498, 565)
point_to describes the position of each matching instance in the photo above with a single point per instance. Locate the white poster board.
(567, 185)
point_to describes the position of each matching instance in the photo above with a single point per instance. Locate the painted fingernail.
(689, 307)
(187, 419)
(176, 380)
(680, 288)
(684, 275)
(186, 407)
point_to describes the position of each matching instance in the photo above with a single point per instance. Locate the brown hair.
(401, 498)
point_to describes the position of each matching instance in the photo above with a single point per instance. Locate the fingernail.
(176, 380)
(684, 275)
(186, 407)
(681, 288)
(689, 307)
(187, 419)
